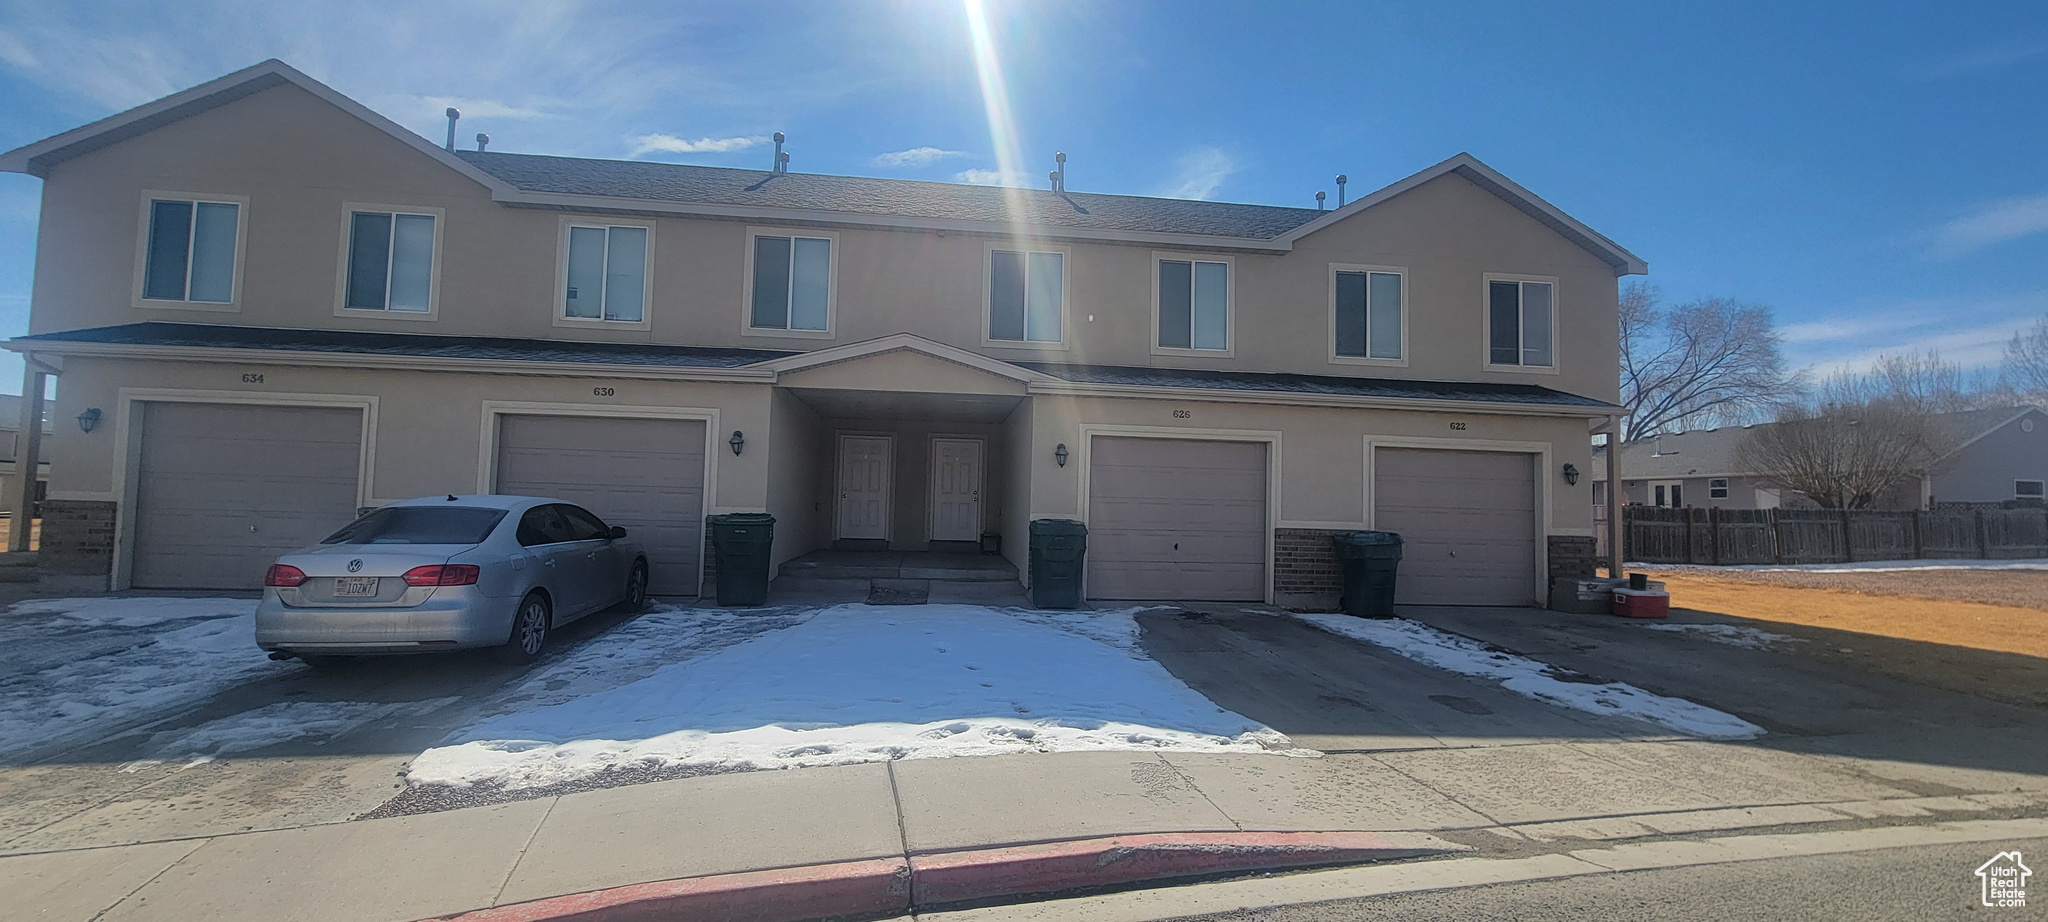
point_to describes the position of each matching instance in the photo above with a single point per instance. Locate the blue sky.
(1873, 171)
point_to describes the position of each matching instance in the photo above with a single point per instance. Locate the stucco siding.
(1984, 471)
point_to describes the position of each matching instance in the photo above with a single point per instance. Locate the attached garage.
(646, 475)
(223, 489)
(1176, 519)
(1468, 520)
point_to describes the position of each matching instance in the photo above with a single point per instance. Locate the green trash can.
(742, 541)
(1368, 559)
(1058, 546)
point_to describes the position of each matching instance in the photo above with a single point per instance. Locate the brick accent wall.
(1305, 573)
(1572, 556)
(77, 538)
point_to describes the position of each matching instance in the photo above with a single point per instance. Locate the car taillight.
(442, 574)
(283, 574)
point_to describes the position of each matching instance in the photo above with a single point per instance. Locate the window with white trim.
(1717, 488)
(1368, 314)
(191, 250)
(1519, 321)
(606, 274)
(792, 283)
(390, 262)
(1194, 304)
(2029, 489)
(1027, 295)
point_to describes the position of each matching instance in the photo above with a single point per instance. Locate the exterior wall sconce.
(1060, 454)
(1571, 475)
(737, 441)
(89, 419)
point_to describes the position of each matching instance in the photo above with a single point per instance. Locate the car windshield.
(420, 525)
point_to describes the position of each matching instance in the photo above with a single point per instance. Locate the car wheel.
(636, 588)
(529, 630)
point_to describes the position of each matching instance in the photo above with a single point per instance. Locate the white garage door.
(1176, 519)
(223, 489)
(646, 475)
(1468, 522)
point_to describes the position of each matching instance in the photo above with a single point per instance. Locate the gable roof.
(1712, 452)
(668, 188)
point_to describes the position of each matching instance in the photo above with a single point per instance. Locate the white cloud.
(1997, 222)
(1198, 174)
(670, 144)
(1013, 178)
(916, 156)
(483, 108)
(1853, 340)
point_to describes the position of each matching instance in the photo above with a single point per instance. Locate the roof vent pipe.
(1320, 195)
(1060, 180)
(482, 141)
(453, 115)
(1341, 180)
(781, 159)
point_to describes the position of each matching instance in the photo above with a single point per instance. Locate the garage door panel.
(1176, 519)
(1468, 521)
(645, 475)
(223, 489)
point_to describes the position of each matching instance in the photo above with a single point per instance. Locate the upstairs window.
(1194, 305)
(191, 251)
(1027, 296)
(792, 283)
(1368, 314)
(1519, 323)
(390, 262)
(607, 274)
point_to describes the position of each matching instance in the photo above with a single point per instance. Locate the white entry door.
(956, 489)
(864, 486)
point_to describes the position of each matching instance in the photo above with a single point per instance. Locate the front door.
(864, 486)
(956, 489)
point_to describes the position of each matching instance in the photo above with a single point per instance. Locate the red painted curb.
(1052, 867)
(851, 888)
(888, 886)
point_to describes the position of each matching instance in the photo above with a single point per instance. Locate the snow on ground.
(281, 723)
(1731, 634)
(859, 683)
(1533, 679)
(1868, 566)
(75, 667)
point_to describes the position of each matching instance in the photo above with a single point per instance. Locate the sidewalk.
(436, 864)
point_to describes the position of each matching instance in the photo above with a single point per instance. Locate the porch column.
(1614, 506)
(28, 455)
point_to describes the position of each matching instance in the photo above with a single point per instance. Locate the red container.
(1642, 603)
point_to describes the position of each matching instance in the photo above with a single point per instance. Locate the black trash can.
(742, 541)
(1058, 547)
(1369, 559)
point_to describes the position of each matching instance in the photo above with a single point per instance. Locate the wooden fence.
(1726, 537)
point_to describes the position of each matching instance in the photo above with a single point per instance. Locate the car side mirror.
(615, 534)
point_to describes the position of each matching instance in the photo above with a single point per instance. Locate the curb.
(885, 887)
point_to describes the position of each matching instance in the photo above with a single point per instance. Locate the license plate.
(355, 586)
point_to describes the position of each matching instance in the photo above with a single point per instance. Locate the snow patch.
(1880, 566)
(282, 723)
(1732, 634)
(860, 683)
(1532, 679)
(90, 665)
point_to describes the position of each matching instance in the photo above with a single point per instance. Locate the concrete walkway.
(413, 867)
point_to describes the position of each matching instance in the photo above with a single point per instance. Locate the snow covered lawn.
(1733, 635)
(78, 667)
(858, 683)
(1527, 677)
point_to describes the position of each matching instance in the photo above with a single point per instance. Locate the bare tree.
(1915, 379)
(2025, 372)
(1845, 449)
(1712, 360)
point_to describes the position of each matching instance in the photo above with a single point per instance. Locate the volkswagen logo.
(355, 565)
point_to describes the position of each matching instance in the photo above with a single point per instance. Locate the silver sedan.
(447, 573)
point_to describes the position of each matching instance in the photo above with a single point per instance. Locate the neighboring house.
(2001, 455)
(10, 432)
(289, 307)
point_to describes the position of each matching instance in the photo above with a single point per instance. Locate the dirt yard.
(1951, 607)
